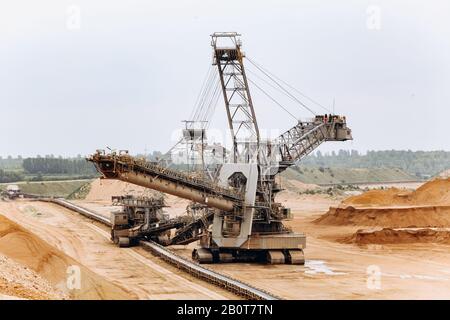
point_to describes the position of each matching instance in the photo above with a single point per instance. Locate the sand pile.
(23, 283)
(376, 198)
(398, 217)
(400, 236)
(28, 250)
(435, 192)
(428, 206)
(104, 189)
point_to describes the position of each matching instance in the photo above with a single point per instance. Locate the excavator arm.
(130, 169)
(303, 138)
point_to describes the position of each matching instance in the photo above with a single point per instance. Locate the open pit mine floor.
(47, 239)
(334, 269)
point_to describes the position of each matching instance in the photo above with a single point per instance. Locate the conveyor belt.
(230, 284)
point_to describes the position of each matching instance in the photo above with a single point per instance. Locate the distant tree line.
(51, 165)
(419, 163)
(10, 163)
(9, 176)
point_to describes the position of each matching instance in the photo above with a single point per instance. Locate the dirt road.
(133, 269)
(336, 270)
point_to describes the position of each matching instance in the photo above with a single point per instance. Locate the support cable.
(271, 98)
(273, 77)
(205, 80)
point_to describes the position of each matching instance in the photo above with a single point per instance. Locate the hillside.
(50, 188)
(324, 176)
(423, 164)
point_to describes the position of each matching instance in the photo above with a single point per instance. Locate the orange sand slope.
(428, 206)
(400, 236)
(28, 250)
(435, 192)
(19, 282)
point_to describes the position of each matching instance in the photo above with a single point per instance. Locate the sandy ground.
(426, 206)
(20, 282)
(139, 274)
(335, 270)
(32, 252)
(400, 235)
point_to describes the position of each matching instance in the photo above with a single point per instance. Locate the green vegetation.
(343, 167)
(55, 177)
(51, 188)
(81, 192)
(48, 168)
(9, 176)
(324, 176)
(338, 190)
(10, 163)
(422, 164)
(51, 165)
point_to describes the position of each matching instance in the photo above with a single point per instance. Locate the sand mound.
(435, 192)
(17, 281)
(374, 198)
(399, 217)
(400, 236)
(428, 206)
(53, 265)
(104, 189)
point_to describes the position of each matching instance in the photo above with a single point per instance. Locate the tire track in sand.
(160, 269)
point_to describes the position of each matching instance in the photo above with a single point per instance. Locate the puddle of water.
(415, 276)
(319, 266)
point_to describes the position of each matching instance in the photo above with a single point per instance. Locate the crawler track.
(229, 284)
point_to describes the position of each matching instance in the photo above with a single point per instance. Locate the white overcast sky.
(132, 71)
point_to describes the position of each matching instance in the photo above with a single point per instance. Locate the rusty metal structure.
(143, 217)
(138, 216)
(242, 220)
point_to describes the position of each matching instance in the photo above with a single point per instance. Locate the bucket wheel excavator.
(240, 220)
